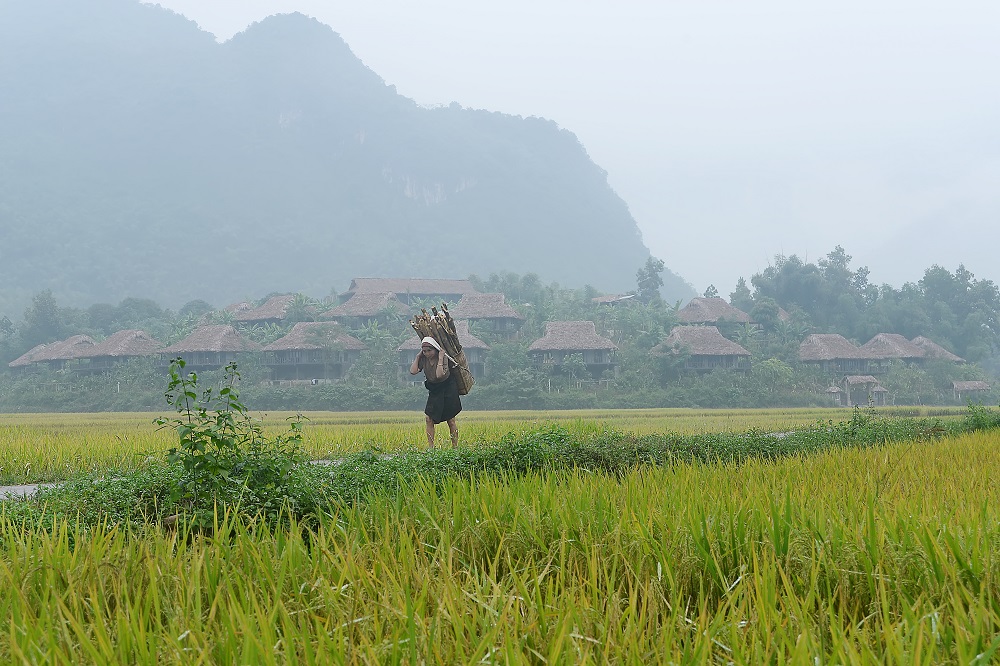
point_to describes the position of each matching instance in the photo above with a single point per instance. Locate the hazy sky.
(734, 130)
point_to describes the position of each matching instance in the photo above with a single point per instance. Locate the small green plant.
(980, 417)
(222, 455)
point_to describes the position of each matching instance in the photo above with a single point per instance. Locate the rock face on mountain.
(142, 158)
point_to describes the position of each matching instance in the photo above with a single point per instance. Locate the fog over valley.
(751, 129)
(448, 331)
(212, 150)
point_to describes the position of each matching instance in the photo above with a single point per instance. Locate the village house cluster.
(705, 349)
(324, 350)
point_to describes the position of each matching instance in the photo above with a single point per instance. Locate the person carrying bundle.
(443, 403)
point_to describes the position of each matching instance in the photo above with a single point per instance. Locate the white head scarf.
(432, 342)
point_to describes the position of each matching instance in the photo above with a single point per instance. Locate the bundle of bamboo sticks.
(441, 327)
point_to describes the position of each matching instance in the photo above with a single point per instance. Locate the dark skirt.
(443, 403)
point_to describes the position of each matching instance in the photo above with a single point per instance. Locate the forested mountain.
(142, 158)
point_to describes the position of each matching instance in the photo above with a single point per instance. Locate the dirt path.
(27, 490)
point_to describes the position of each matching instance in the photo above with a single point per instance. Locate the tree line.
(788, 300)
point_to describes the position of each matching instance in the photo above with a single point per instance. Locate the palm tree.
(302, 308)
(747, 336)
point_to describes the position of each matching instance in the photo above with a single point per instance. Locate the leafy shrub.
(979, 417)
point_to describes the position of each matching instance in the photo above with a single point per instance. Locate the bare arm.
(415, 366)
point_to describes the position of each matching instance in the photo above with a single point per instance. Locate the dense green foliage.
(136, 148)
(513, 381)
(222, 455)
(953, 309)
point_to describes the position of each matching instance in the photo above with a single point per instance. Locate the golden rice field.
(856, 556)
(49, 447)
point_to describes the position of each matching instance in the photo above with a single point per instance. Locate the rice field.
(865, 556)
(50, 447)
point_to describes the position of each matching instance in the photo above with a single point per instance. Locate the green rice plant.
(868, 540)
(790, 560)
(52, 447)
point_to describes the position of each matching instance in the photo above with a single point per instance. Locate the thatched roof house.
(365, 307)
(489, 311)
(242, 306)
(410, 289)
(858, 389)
(827, 347)
(484, 306)
(706, 347)
(574, 337)
(888, 346)
(55, 354)
(474, 348)
(272, 311)
(122, 345)
(313, 351)
(571, 336)
(837, 396)
(934, 350)
(125, 344)
(73, 347)
(699, 340)
(711, 311)
(833, 352)
(963, 390)
(210, 347)
(314, 335)
(970, 386)
(30, 356)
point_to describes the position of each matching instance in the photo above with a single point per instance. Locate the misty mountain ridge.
(143, 158)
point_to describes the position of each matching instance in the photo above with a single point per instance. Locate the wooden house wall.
(305, 364)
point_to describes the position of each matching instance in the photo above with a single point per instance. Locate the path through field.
(27, 490)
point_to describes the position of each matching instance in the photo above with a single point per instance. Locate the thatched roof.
(710, 311)
(828, 347)
(274, 308)
(934, 350)
(215, 338)
(571, 336)
(369, 305)
(242, 306)
(316, 335)
(612, 299)
(862, 380)
(410, 286)
(130, 342)
(970, 386)
(72, 347)
(483, 306)
(465, 337)
(30, 356)
(698, 341)
(890, 345)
